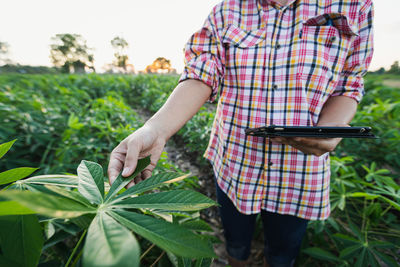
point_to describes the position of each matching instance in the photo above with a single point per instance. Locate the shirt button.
(332, 39)
(270, 163)
(278, 45)
(275, 86)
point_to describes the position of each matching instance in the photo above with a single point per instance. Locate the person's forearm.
(338, 110)
(181, 105)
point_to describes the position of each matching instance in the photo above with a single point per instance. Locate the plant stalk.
(158, 259)
(76, 248)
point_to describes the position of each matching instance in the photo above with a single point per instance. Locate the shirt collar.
(274, 3)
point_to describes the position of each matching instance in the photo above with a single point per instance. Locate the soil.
(392, 83)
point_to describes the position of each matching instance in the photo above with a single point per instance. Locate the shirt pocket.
(324, 44)
(242, 46)
(233, 35)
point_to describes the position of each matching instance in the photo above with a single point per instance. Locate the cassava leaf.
(151, 183)
(321, 254)
(168, 236)
(5, 147)
(110, 244)
(21, 239)
(197, 225)
(74, 195)
(91, 181)
(121, 182)
(183, 200)
(13, 208)
(56, 179)
(15, 174)
(49, 205)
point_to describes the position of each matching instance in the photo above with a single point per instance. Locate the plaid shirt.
(277, 65)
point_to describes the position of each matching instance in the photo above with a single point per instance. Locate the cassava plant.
(108, 219)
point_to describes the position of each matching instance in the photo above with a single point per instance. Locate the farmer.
(282, 62)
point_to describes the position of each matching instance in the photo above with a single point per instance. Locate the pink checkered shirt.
(277, 65)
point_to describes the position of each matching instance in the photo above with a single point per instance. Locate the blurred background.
(145, 31)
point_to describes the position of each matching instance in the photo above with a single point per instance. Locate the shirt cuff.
(205, 71)
(350, 86)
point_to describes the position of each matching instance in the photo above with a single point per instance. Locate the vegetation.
(60, 119)
(27, 69)
(106, 219)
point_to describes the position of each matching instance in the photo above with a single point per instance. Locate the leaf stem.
(77, 258)
(147, 251)
(158, 259)
(76, 248)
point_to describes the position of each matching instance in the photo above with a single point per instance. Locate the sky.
(153, 28)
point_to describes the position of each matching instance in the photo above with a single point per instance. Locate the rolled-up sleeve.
(204, 55)
(351, 82)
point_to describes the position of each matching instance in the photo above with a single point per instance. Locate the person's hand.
(311, 145)
(139, 144)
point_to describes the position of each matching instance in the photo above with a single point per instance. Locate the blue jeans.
(282, 233)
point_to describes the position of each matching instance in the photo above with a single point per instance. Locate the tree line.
(69, 53)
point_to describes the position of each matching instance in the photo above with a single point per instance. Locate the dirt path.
(392, 83)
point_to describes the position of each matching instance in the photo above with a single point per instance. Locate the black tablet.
(311, 131)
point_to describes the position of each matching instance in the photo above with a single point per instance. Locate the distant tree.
(380, 71)
(160, 65)
(4, 50)
(120, 46)
(395, 68)
(27, 69)
(70, 52)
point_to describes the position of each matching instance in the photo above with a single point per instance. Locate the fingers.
(146, 174)
(136, 180)
(309, 146)
(131, 159)
(115, 165)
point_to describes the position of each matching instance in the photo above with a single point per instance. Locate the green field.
(59, 120)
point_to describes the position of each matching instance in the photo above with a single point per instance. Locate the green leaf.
(21, 239)
(5, 147)
(121, 182)
(151, 183)
(84, 221)
(49, 205)
(182, 200)
(197, 225)
(57, 179)
(391, 262)
(356, 231)
(350, 251)
(168, 236)
(13, 208)
(346, 238)
(15, 174)
(110, 244)
(69, 194)
(321, 254)
(362, 194)
(391, 202)
(204, 262)
(91, 181)
(371, 259)
(361, 258)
